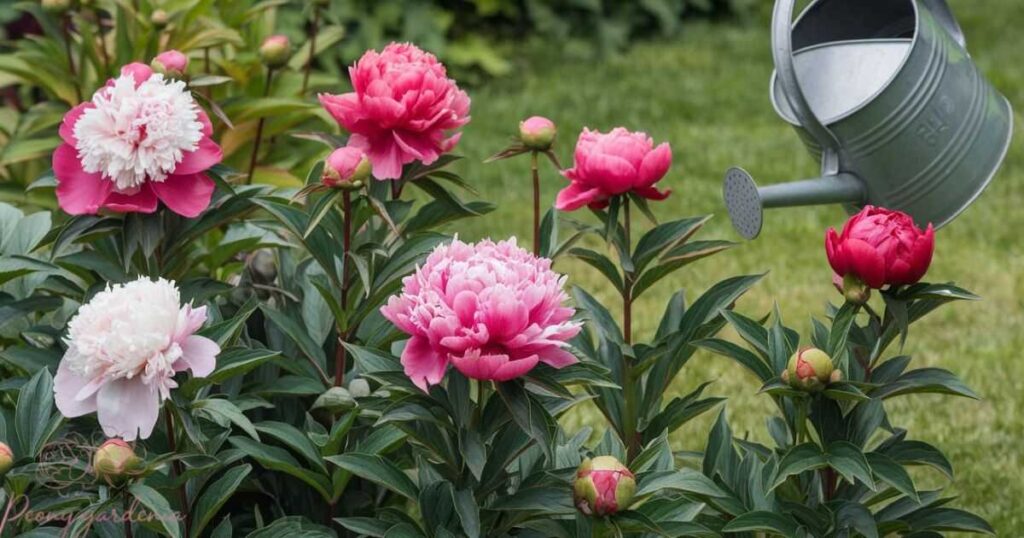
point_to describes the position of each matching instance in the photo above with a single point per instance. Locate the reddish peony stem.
(172, 444)
(312, 48)
(339, 354)
(259, 129)
(66, 27)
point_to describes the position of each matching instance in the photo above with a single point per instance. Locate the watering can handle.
(782, 52)
(944, 14)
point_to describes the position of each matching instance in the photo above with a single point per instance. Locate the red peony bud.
(346, 168)
(603, 486)
(881, 247)
(537, 133)
(275, 51)
(810, 369)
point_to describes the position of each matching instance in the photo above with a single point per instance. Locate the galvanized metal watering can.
(884, 93)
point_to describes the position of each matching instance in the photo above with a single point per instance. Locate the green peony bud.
(159, 18)
(855, 290)
(275, 51)
(810, 369)
(56, 7)
(603, 486)
(6, 459)
(115, 461)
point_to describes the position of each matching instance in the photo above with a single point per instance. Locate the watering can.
(885, 95)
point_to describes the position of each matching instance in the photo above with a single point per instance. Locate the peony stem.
(627, 292)
(126, 517)
(632, 439)
(536, 204)
(172, 444)
(66, 27)
(206, 69)
(339, 356)
(259, 130)
(312, 48)
(103, 42)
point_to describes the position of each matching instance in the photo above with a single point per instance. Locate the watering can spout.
(746, 201)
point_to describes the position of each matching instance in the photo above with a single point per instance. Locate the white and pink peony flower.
(124, 348)
(493, 310)
(141, 139)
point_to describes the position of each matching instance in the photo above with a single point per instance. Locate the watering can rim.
(914, 41)
(773, 81)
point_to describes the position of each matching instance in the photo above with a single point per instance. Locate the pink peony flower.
(492, 309)
(402, 108)
(608, 165)
(881, 247)
(170, 62)
(124, 348)
(142, 138)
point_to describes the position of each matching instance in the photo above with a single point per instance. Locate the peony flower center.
(126, 331)
(136, 134)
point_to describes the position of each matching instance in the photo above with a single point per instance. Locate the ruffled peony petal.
(206, 155)
(143, 201)
(865, 262)
(127, 408)
(386, 156)
(834, 252)
(78, 192)
(610, 173)
(652, 193)
(557, 357)
(576, 196)
(654, 166)
(186, 195)
(422, 364)
(66, 386)
(67, 125)
(198, 354)
(493, 367)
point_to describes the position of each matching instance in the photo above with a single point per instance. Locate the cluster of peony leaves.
(261, 361)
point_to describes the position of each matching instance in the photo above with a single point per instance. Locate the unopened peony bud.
(346, 168)
(114, 461)
(603, 486)
(56, 7)
(6, 459)
(537, 133)
(275, 51)
(159, 18)
(171, 63)
(855, 290)
(359, 388)
(810, 369)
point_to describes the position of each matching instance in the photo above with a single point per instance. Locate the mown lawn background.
(706, 94)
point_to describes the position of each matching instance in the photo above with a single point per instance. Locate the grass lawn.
(706, 93)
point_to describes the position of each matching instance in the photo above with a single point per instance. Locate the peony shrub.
(193, 350)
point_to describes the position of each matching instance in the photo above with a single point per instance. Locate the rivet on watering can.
(885, 95)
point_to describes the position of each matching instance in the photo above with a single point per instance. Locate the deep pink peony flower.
(492, 309)
(124, 348)
(881, 247)
(607, 165)
(402, 108)
(142, 138)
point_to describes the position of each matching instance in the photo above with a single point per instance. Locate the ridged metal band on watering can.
(926, 141)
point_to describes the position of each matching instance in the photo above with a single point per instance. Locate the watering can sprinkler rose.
(885, 95)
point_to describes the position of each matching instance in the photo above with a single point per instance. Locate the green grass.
(706, 93)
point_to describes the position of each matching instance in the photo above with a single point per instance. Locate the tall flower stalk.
(274, 54)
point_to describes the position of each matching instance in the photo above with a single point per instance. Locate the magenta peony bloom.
(492, 309)
(142, 138)
(402, 108)
(124, 348)
(607, 165)
(170, 62)
(881, 247)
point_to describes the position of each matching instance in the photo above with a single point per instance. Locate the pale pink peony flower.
(611, 164)
(124, 348)
(402, 108)
(142, 138)
(491, 309)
